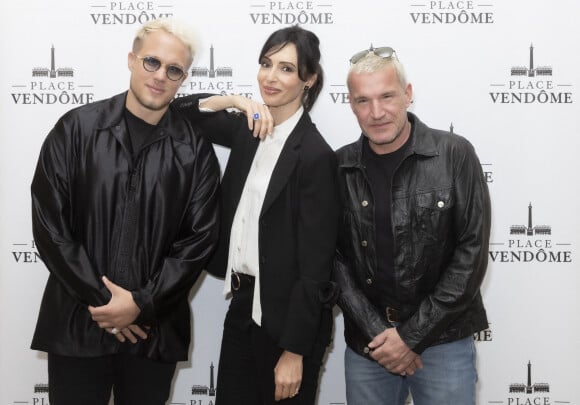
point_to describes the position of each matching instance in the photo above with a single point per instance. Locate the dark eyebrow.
(266, 58)
(288, 63)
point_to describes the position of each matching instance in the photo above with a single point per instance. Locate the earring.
(306, 88)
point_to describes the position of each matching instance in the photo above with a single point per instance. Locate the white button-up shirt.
(244, 252)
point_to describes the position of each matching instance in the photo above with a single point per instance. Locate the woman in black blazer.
(278, 227)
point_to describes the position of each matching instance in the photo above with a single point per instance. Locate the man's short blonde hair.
(172, 26)
(371, 63)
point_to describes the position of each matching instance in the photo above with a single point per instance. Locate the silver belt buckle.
(236, 281)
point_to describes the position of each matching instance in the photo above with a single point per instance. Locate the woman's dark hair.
(308, 51)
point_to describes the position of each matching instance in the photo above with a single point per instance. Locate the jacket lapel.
(286, 163)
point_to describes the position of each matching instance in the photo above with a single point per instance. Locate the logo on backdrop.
(483, 335)
(530, 243)
(339, 94)
(214, 78)
(487, 168)
(451, 12)
(531, 84)
(52, 83)
(487, 172)
(40, 388)
(128, 12)
(203, 391)
(529, 391)
(292, 12)
(39, 396)
(25, 253)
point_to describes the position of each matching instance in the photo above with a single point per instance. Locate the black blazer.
(298, 223)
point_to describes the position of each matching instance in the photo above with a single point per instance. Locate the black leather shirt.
(148, 222)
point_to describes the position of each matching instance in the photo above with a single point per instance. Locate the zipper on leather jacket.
(127, 236)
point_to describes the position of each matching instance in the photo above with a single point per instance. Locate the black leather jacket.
(149, 224)
(441, 223)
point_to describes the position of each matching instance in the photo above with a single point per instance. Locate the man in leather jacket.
(413, 247)
(125, 216)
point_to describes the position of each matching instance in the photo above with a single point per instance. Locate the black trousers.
(134, 380)
(248, 357)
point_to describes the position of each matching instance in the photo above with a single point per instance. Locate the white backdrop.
(462, 58)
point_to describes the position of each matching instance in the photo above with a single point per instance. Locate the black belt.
(241, 280)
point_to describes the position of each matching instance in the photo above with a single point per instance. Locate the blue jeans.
(448, 377)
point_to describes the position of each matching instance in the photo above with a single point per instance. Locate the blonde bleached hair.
(172, 26)
(371, 63)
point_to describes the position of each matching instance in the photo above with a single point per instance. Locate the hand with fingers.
(390, 351)
(118, 315)
(131, 332)
(260, 120)
(287, 375)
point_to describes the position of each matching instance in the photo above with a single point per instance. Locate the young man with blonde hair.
(125, 216)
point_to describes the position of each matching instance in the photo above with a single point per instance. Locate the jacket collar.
(113, 114)
(421, 137)
(295, 138)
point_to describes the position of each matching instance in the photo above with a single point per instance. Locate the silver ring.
(114, 331)
(256, 116)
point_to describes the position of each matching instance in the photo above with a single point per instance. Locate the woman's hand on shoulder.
(260, 120)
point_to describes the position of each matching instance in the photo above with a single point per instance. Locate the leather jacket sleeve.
(460, 281)
(354, 304)
(64, 256)
(218, 127)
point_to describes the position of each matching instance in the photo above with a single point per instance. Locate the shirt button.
(364, 243)
(369, 281)
(364, 203)
(440, 204)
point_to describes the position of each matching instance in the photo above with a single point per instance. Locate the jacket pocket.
(433, 215)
